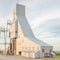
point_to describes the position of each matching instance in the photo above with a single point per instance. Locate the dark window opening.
(16, 31)
(20, 53)
(42, 50)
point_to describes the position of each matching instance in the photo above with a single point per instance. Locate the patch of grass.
(1, 52)
(58, 53)
(56, 58)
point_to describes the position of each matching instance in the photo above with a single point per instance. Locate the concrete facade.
(32, 54)
(22, 39)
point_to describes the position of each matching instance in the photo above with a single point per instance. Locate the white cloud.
(50, 26)
(55, 42)
(46, 16)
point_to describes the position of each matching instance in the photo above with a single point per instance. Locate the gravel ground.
(2, 57)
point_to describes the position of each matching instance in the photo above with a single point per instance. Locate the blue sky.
(42, 15)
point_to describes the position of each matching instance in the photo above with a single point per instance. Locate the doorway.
(19, 52)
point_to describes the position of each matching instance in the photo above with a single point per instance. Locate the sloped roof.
(27, 31)
(25, 26)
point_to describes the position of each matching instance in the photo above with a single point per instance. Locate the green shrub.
(58, 53)
(1, 52)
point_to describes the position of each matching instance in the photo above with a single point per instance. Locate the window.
(37, 48)
(16, 31)
(42, 50)
(19, 52)
(9, 34)
(33, 48)
(29, 48)
(50, 50)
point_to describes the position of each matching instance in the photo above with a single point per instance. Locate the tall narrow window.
(9, 34)
(33, 48)
(42, 50)
(37, 48)
(29, 48)
(16, 31)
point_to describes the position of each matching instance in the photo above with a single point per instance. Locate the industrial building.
(22, 40)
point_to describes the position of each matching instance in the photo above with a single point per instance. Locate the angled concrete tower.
(23, 41)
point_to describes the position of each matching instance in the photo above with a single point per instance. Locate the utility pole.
(5, 39)
(8, 24)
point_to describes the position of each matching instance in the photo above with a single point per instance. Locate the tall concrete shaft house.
(22, 40)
